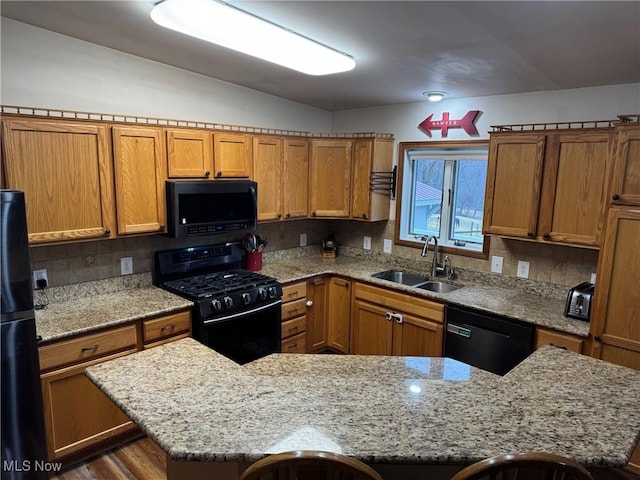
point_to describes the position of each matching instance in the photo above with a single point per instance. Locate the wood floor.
(139, 459)
(142, 459)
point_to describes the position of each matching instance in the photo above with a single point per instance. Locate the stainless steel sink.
(399, 276)
(438, 287)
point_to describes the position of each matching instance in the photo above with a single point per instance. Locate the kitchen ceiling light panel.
(225, 25)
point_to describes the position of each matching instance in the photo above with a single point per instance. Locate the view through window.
(443, 194)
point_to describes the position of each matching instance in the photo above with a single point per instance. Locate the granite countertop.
(387, 410)
(539, 310)
(87, 313)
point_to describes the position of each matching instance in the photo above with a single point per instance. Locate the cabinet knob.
(547, 236)
(309, 303)
(364, 215)
(107, 231)
(530, 234)
(313, 214)
(162, 226)
(279, 215)
(597, 338)
(207, 173)
(218, 174)
(616, 197)
(288, 215)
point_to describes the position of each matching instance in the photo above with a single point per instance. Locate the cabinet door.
(267, 171)
(77, 414)
(140, 169)
(64, 169)
(317, 295)
(330, 178)
(625, 185)
(574, 193)
(514, 176)
(616, 307)
(295, 185)
(370, 155)
(371, 331)
(232, 155)
(189, 153)
(339, 314)
(415, 336)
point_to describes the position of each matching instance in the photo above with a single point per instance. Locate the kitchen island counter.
(207, 412)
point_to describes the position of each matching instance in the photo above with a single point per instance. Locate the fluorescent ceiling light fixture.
(230, 27)
(434, 96)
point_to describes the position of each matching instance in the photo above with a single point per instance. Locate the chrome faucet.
(436, 268)
(448, 268)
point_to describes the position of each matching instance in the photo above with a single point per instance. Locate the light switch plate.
(303, 239)
(366, 244)
(126, 265)
(523, 269)
(40, 275)
(496, 264)
(387, 245)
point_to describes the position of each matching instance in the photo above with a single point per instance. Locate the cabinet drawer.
(295, 344)
(399, 301)
(167, 326)
(294, 291)
(549, 337)
(293, 327)
(87, 347)
(294, 309)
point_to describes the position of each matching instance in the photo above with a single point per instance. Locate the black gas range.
(236, 312)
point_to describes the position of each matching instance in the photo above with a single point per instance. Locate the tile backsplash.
(97, 260)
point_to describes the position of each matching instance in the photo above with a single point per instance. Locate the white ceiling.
(402, 49)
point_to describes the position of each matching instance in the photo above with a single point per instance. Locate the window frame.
(402, 148)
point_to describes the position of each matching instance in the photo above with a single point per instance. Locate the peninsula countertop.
(201, 407)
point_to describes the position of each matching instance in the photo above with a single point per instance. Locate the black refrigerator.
(23, 438)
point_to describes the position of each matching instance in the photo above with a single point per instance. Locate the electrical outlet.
(523, 269)
(387, 245)
(593, 278)
(126, 265)
(366, 244)
(303, 239)
(40, 276)
(496, 264)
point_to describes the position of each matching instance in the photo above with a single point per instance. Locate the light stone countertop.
(200, 406)
(513, 303)
(85, 314)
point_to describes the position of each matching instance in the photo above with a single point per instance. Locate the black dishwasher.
(487, 341)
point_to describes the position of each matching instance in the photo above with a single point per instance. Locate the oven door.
(244, 336)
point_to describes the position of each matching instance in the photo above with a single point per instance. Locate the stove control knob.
(228, 302)
(246, 298)
(216, 305)
(262, 293)
(272, 292)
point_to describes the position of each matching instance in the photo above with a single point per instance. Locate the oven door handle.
(243, 313)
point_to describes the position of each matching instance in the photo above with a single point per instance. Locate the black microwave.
(206, 207)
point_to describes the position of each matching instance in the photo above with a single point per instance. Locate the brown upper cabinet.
(625, 184)
(140, 167)
(65, 170)
(189, 153)
(232, 155)
(370, 155)
(549, 187)
(295, 182)
(267, 172)
(330, 178)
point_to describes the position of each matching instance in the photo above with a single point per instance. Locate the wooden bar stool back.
(309, 465)
(525, 466)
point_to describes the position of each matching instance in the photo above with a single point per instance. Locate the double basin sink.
(415, 280)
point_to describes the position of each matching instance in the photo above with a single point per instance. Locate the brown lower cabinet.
(385, 322)
(79, 418)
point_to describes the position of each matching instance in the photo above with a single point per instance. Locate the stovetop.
(218, 283)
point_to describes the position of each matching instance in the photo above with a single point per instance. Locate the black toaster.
(579, 301)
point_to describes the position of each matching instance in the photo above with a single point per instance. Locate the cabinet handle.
(364, 215)
(597, 338)
(288, 215)
(162, 226)
(313, 214)
(616, 197)
(291, 347)
(399, 318)
(279, 215)
(293, 329)
(294, 293)
(309, 303)
(168, 328)
(291, 312)
(388, 315)
(342, 284)
(207, 173)
(107, 231)
(93, 348)
(218, 174)
(529, 234)
(547, 236)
